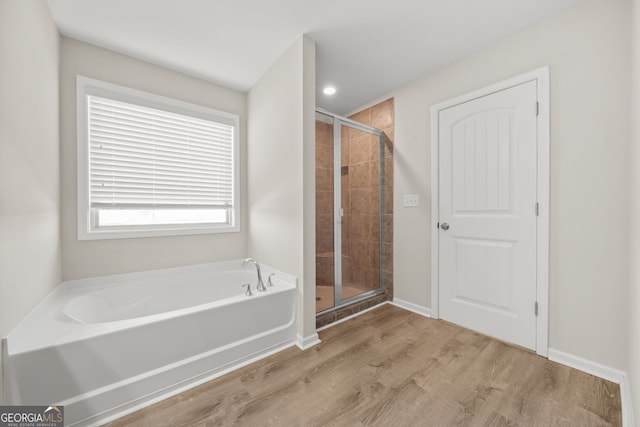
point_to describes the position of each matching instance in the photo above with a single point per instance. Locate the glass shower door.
(349, 184)
(360, 214)
(325, 265)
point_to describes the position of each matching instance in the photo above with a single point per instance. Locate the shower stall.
(349, 211)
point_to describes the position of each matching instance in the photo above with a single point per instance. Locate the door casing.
(541, 75)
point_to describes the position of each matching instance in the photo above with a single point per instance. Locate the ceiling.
(365, 48)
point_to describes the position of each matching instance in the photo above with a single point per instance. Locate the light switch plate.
(411, 200)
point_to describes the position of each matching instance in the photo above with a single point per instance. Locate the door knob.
(444, 226)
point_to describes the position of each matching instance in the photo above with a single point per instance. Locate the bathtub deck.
(393, 367)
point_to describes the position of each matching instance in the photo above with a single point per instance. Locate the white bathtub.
(106, 346)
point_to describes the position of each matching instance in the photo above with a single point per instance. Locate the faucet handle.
(248, 291)
(269, 282)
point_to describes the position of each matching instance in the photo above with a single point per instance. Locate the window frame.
(87, 217)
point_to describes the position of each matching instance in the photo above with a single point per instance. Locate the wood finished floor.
(391, 367)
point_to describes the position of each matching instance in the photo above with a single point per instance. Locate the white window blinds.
(141, 157)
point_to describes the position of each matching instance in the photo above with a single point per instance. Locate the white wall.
(30, 255)
(634, 297)
(587, 49)
(281, 200)
(307, 301)
(103, 257)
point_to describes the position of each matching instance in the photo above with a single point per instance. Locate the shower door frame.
(338, 211)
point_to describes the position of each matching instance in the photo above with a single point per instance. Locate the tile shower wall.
(360, 200)
(363, 231)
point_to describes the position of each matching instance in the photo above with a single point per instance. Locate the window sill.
(105, 234)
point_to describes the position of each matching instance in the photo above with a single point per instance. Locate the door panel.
(482, 178)
(325, 218)
(485, 269)
(487, 178)
(361, 212)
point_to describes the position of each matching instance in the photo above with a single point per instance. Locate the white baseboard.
(605, 372)
(588, 366)
(307, 342)
(628, 419)
(412, 307)
(3, 352)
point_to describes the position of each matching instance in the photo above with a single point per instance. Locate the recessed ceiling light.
(329, 90)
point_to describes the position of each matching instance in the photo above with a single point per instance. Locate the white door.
(487, 214)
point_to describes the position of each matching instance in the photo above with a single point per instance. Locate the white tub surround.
(106, 346)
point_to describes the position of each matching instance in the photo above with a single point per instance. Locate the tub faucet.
(260, 286)
(248, 291)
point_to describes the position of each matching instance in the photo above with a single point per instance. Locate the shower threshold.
(325, 302)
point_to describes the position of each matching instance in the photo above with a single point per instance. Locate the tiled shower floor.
(324, 295)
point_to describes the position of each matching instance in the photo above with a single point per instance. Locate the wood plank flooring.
(391, 367)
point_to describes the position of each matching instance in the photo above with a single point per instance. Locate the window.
(153, 166)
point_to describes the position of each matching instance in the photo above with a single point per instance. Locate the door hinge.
(535, 310)
(537, 108)
(537, 209)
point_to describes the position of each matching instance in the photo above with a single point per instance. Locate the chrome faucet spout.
(260, 285)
